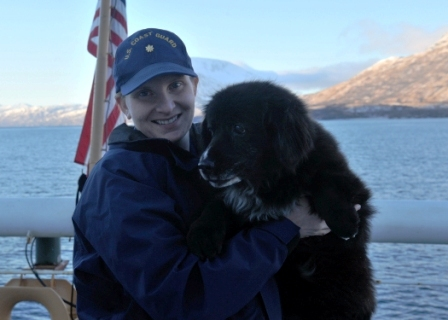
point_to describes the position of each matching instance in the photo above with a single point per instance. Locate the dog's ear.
(291, 130)
(205, 134)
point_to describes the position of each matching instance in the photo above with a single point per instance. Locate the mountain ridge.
(411, 86)
(213, 74)
(417, 81)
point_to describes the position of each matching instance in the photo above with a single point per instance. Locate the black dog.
(264, 152)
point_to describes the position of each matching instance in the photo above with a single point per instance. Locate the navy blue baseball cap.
(146, 54)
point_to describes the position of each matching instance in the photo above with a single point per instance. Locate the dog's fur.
(264, 152)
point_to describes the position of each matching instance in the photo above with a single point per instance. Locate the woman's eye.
(144, 93)
(239, 129)
(176, 85)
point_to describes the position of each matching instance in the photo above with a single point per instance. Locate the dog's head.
(254, 131)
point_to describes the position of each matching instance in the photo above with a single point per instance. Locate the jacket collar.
(127, 137)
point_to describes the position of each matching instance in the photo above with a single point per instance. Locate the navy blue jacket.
(130, 255)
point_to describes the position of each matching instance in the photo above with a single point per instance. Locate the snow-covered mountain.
(24, 115)
(213, 75)
(216, 74)
(417, 81)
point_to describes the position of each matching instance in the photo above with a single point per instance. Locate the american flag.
(112, 114)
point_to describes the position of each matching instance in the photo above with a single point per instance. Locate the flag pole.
(99, 94)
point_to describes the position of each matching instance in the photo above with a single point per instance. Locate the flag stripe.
(112, 114)
(84, 140)
(111, 123)
(118, 17)
(115, 38)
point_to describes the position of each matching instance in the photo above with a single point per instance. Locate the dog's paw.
(205, 240)
(344, 222)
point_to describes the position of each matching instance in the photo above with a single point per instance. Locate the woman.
(130, 256)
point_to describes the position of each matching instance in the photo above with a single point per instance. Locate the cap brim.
(152, 71)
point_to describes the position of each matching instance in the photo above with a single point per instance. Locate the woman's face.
(163, 107)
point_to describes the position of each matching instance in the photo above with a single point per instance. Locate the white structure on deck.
(397, 221)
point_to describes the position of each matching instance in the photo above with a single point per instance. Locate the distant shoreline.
(318, 114)
(389, 112)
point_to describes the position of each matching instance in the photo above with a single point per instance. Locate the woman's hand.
(310, 224)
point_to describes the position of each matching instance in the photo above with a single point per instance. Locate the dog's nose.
(206, 165)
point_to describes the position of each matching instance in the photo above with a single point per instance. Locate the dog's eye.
(239, 129)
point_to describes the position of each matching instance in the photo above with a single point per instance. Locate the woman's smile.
(167, 121)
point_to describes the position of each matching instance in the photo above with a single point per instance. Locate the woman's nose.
(166, 103)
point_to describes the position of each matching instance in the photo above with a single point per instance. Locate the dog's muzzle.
(207, 171)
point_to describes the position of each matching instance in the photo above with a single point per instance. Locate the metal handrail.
(397, 221)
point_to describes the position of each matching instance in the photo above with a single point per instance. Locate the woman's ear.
(120, 99)
(195, 81)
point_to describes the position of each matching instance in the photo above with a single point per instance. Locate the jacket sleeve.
(137, 232)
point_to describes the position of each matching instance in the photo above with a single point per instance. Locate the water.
(398, 159)
(38, 162)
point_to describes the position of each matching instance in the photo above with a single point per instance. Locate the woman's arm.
(137, 232)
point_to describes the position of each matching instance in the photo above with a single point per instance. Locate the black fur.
(266, 152)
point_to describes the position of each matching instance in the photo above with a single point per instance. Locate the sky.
(43, 44)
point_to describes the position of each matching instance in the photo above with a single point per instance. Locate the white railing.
(36, 217)
(410, 221)
(396, 221)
